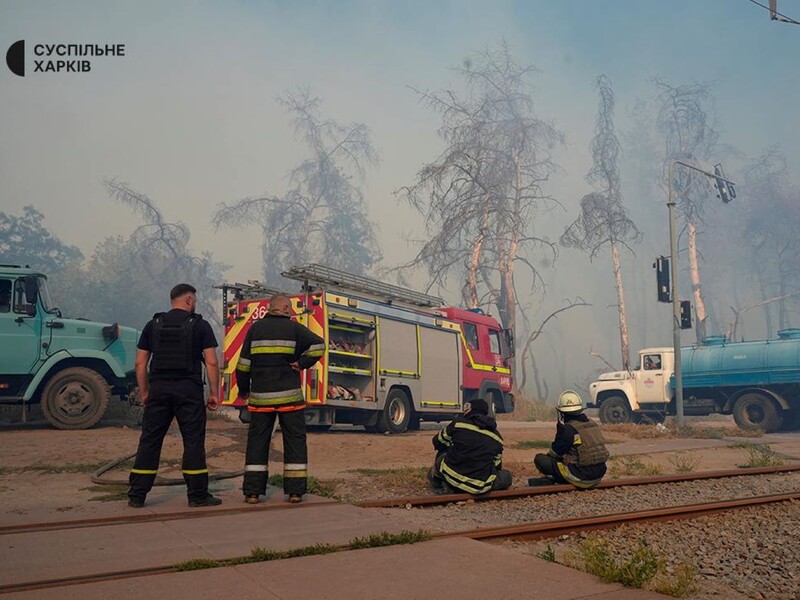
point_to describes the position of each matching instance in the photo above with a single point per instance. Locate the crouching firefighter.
(175, 344)
(274, 352)
(469, 454)
(578, 453)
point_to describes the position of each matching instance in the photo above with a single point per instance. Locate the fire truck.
(394, 356)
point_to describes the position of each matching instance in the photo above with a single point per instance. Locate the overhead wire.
(783, 17)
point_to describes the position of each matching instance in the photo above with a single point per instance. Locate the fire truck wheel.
(757, 411)
(75, 398)
(396, 413)
(615, 410)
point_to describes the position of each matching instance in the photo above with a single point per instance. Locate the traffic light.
(686, 314)
(725, 191)
(662, 279)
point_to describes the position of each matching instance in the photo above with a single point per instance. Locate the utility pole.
(726, 192)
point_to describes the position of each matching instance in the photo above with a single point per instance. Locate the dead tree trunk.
(624, 340)
(471, 287)
(697, 291)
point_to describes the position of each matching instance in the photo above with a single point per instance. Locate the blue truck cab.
(70, 366)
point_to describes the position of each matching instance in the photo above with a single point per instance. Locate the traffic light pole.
(676, 303)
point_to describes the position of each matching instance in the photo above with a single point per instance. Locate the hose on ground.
(98, 479)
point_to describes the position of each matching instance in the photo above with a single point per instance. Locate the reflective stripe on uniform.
(273, 398)
(315, 350)
(272, 350)
(576, 440)
(297, 470)
(272, 346)
(243, 365)
(273, 343)
(472, 427)
(578, 483)
(460, 481)
(256, 468)
(194, 471)
(145, 471)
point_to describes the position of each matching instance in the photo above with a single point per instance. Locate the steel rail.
(556, 489)
(548, 529)
(151, 517)
(391, 503)
(528, 531)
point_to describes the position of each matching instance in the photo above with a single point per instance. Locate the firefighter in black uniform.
(274, 352)
(176, 344)
(470, 453)
(578, 453)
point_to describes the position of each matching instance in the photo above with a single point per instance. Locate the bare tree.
(603, 219)
(158, 251)
(685, 120)
(481, 196)
(322, 217)
(771, 225)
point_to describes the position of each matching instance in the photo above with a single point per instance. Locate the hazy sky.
(189, 116)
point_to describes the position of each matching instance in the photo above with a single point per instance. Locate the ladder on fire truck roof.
(328, 276)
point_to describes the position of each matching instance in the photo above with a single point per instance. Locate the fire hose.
(97, 476)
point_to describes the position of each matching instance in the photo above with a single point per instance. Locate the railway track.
(413, 501)
(524, 531)
(555, 489)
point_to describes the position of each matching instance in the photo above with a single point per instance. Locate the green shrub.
(635, 571)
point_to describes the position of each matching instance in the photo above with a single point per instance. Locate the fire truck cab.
(394, 356)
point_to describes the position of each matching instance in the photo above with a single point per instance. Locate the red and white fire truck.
(394, 357)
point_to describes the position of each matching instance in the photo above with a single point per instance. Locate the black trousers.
(184, 401)
(548, 466)
(295, 452)
(502, 480)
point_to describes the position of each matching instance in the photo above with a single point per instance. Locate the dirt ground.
(45, 472)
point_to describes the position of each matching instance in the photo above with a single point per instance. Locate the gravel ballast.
(743, 553)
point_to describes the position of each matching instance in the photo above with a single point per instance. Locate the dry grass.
(685, 462)
(670, 430)
(620, 466)
(530, 409)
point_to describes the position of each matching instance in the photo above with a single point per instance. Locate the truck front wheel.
(615, 410)
(757, 411)
(75, 398)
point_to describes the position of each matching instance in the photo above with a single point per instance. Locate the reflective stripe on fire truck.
(480, 366)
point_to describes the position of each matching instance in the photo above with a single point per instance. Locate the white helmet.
(569, 402)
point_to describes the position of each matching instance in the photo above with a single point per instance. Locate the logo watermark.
(60, 58)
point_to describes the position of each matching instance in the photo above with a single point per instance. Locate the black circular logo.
(15, 58)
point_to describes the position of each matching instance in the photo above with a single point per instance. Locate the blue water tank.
(717, 363)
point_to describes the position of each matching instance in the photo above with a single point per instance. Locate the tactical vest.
(592, 449)
(173, 346)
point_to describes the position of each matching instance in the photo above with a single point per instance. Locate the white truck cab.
(639, 394)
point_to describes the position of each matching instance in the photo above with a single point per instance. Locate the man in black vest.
(578, 453)
(176, 344)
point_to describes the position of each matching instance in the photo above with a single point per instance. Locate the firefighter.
(274, 352)
(578, 453)
(469, 453)
(175, 344)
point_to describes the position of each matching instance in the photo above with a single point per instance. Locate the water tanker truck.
(757, 382)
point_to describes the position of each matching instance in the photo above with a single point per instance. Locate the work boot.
(136, 502)
(295, 498)
(540, 481)
(209, 500)
(251, 499)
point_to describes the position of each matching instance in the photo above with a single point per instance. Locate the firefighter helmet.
(569, 402)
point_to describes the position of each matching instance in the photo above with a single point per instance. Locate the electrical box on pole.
(686, 314)
(662, 279)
